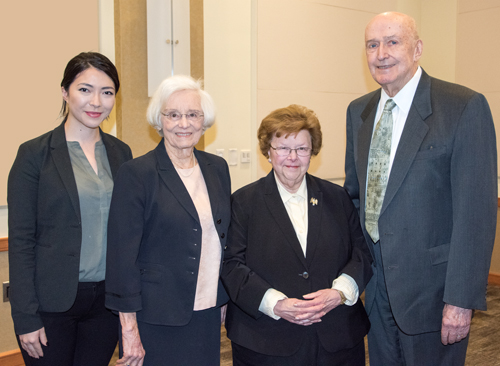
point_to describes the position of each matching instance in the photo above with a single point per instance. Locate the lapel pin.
(314, 201)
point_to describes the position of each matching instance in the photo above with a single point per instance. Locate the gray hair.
(174, 84)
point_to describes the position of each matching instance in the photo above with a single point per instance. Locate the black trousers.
(311, 353)
(86, 334)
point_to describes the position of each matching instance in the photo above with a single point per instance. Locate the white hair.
(174, 84)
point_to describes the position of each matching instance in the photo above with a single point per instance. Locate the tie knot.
(389, 105)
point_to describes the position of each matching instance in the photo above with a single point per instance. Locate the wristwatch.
(343, 299)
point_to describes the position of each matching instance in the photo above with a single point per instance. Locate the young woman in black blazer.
(59, 193)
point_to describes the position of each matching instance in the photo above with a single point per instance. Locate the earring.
(269, 160)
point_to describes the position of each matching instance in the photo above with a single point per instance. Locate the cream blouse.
(208, 274)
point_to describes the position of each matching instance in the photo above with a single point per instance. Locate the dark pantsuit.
(84, 335)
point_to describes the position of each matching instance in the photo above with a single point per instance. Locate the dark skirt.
(197, 343)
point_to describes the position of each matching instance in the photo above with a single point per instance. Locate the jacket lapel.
(113, 159)
(172, 180)
(278, 211)
(414, 133)
(62, 161)
(314, 212)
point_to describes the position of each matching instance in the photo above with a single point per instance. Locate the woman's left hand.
(329, 299)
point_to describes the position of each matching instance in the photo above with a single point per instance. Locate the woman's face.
(291, 169)
(90, 98)
(184, 133)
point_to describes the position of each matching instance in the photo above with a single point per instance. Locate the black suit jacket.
(438, 218)
(154, 237)
(263, 252)
(45, 231)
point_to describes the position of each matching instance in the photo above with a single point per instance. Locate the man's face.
(392, 51)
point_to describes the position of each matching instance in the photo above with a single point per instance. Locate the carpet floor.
(484, 349)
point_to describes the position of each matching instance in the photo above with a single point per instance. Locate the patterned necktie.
(378, 170)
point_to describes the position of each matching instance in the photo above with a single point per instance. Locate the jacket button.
(305, 275)
(219, 221)
(222, 235)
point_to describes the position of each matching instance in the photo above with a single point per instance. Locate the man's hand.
(31, 342)
(456, 324)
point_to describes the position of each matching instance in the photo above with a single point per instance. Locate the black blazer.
(45, 231)
(437, 222)
(263, 252)
(154, 237)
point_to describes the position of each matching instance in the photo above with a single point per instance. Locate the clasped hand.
(308, 311)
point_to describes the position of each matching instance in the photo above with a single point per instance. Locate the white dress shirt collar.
(404, 97)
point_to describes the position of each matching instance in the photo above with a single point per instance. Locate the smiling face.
(291, 169)
(182, 134)
(392, 50)
(90, 99)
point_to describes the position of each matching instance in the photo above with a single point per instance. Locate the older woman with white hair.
(168, 222)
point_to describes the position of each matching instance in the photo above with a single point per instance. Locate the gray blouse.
(94, 192)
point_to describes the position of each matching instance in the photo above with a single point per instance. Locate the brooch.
(314, 201)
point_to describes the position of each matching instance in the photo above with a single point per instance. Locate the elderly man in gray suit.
(421, 166)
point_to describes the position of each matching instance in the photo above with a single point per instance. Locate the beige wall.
(35, 50)
(312, 53)
(229, 74)
(478, 53)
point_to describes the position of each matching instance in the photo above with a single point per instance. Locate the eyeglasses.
(176, 116)
(285, 151)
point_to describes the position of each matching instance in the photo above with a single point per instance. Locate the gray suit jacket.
(438, 219)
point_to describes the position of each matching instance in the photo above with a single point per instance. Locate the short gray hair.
(174, 84)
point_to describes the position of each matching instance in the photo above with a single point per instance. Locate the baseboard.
(494, 279)
(11, 358)
(4, 244)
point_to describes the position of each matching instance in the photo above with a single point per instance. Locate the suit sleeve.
(22, 198)
(125, 230)
(351, 183)
(245, 287)
(474, 197)
(359, 265)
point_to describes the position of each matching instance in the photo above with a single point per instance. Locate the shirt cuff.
(269, 301)
(349, 288)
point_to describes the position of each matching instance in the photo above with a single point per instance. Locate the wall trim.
(11, 358)
(494, 279)
(4, 244)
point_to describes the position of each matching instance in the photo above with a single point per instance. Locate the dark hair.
(82, 62)
(289, 121)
